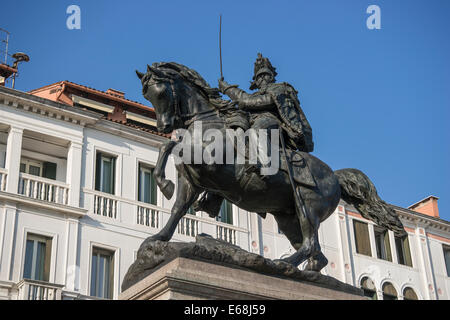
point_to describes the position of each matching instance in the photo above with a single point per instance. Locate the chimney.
(115, 93)
(428, 206)
(5, 72)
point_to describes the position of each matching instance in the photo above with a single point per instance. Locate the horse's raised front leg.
(186, 195)
(166, 186)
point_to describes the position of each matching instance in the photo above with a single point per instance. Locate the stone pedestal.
(213, 269)
(187, 279)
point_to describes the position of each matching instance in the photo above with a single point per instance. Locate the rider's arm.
(249, 101)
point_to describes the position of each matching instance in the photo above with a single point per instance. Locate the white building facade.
(77, 200)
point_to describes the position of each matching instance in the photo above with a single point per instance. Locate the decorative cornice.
(36, 203)
(44, 107)
(411, 216)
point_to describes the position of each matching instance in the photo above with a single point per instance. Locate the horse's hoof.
(156, 237)
(317, 263)
(168, 189)
(280, 262)
(284, 262)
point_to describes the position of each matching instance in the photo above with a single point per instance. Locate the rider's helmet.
(262, 65)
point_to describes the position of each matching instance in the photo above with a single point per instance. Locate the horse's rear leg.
(289, 225)
(310, 247)
(186, 195)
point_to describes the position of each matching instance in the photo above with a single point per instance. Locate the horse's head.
(169, 85)
(159, 87)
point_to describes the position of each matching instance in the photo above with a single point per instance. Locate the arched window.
(389, 292)
(409, 294)
(369, 288)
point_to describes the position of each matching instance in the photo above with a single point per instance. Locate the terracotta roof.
(98, 92)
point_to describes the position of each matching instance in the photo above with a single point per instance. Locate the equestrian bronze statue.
(300, 195)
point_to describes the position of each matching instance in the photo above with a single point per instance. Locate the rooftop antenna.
(5, 70)
(6, 43)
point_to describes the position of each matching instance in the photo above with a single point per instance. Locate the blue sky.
(377, 100)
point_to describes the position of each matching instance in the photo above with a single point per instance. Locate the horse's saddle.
(301, 173)
(300, 169)
(236, 119)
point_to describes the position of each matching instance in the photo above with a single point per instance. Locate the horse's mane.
(195, 79)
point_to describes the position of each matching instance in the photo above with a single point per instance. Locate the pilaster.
(12, 161)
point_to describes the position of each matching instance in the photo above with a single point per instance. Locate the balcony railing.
(3, 176)
(38, 290)
(43, 189)
(105, 205)
(226, 233)
(148, 215)
(154, 217)
(188, 226)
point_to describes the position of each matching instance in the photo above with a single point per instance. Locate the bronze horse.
(181, 96)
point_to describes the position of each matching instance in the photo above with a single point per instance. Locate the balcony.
(43, 189)
(39, 166)
(38, 290)
(152, 218)
(105, 205)
(226, 233)
(188, 226)
(148, 215)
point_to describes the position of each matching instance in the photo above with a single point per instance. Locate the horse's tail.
(358, 190)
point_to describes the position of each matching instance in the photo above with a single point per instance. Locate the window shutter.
(140, 183)
(98, 168)
(407, 252)
(153, 189)
(49, 170)
(113, 175)
(48, 255)
(111, 276)
(362, 238)
(387, 246)
(28, 259)
(229, 210)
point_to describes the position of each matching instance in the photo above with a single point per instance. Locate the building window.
(226, 212)
(447, 259)
(403, 251)
(409, 294)
(37, 258)
(102, 273)
(369, 288)
(38, 168)
(389, 292)
(362, 239)
(191, 211)
(382, 244)
(105, 173)
(147, 185)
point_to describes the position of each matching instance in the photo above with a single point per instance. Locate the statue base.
(214, 269)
